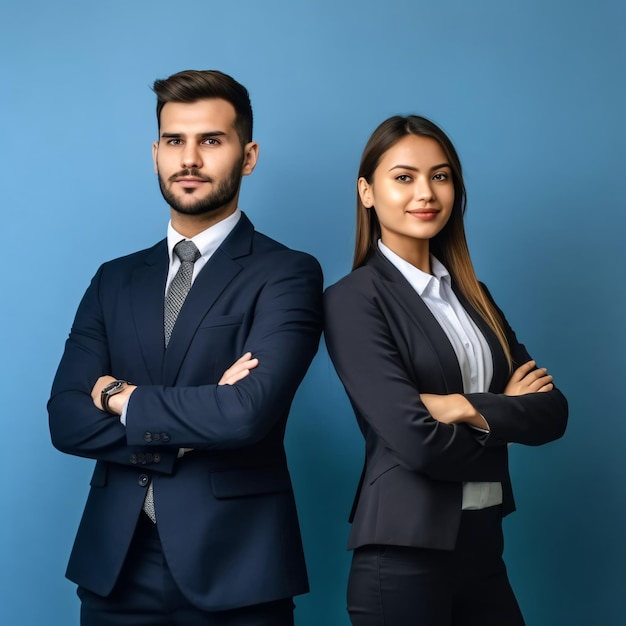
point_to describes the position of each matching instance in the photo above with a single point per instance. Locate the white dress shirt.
(207, 242)
(470, 346)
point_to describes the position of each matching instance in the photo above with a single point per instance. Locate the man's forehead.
(213, 113)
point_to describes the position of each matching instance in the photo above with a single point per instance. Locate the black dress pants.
(147, 595)
(468, 586)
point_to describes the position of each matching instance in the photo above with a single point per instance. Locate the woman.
(439, 385)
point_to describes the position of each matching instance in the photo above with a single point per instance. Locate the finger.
(522, 371)
(542, 382)
(231, 379)
(238, 371)
(534, 375)
(246, 357)
(548, 387)
(539, 382)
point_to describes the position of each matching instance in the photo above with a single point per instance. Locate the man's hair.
(193, 85)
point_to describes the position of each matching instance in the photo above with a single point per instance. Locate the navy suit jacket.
(387, 348)
(226, 511)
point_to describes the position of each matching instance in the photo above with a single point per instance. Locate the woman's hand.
(453, 409)
(239, 369)
(528, 378)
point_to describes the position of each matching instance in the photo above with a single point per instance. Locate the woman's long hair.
(449, 245)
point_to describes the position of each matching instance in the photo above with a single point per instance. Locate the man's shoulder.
(273, 250)
(154, 252)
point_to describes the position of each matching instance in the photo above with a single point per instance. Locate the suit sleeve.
(385, 398)
(284, 336)
(76, 425)
(531, 419)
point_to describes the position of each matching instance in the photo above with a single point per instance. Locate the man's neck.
(190, 225)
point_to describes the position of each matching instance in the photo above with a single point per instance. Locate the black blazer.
(387, 348)
(226, 512)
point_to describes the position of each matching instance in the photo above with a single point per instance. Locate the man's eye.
(174, 142)
(211, 141)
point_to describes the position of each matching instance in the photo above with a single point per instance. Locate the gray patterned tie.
(188, 254)
(177, 291)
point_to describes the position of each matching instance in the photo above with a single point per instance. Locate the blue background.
(531, 92)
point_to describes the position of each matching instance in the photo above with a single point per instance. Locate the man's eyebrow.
(212, 133)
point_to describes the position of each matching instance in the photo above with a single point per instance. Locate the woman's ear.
(365, 193)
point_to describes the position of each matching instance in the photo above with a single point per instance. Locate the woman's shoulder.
(357, 281)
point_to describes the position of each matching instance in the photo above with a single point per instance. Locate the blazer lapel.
(214, 277)
(419, 313)
(500, 368)
(147, 296)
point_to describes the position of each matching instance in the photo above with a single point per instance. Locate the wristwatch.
(110, 390)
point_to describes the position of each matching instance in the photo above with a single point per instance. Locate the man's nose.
(191, 157)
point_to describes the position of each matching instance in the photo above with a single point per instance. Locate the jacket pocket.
(216, 321)
(383, 469)
(249, 482)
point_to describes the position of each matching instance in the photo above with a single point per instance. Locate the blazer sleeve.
(532, 419)
(76, 425)
(385, 398)
(284, 336)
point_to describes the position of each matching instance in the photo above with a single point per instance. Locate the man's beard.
(223, 193)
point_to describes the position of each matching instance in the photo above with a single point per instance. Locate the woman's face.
(412, 193)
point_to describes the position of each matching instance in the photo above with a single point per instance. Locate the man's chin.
(189, 205)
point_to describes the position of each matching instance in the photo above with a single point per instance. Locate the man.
(177, 377)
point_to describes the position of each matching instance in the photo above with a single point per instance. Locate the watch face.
(111, 388)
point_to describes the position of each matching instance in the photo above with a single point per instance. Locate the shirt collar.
(209, 240)
(420, 281)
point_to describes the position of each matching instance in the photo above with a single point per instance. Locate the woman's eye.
(440, 176)
(403, 178)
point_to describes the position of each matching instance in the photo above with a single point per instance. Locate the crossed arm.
(282, 330)
(456, 409)
(237, 371)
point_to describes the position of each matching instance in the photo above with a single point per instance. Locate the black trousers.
(468, 586)
(147, 595)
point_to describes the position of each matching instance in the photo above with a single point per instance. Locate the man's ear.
(250, 157)
(155, 152)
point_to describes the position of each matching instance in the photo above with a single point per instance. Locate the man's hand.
(239, 369)
(116, 402)
(528, 378)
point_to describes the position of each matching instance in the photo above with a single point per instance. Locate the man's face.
(199, 158)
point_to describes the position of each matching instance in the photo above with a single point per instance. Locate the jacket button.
(149, 457)
(143, 480)
(147, 437)
(156, 458)
(165, 437)
(156, 436)
(133, 459)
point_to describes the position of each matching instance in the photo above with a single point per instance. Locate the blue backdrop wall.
(531, 92)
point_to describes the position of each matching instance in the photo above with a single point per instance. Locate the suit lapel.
(500, 368)
(419, 313)
(214, 277)
(147, 294)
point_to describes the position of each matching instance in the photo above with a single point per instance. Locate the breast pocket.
(220, 321)
(216, 345)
